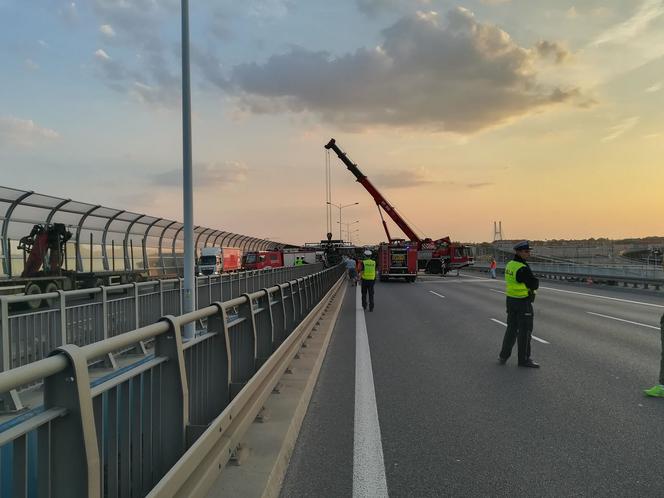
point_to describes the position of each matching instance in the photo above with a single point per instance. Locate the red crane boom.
(434, 256)
(381, 202)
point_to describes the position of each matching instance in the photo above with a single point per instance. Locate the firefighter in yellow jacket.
(520, 288)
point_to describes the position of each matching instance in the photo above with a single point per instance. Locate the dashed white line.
(533, 336)
(623, 320)
(439, 295)
(368, 462)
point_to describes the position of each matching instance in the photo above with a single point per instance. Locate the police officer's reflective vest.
(512, 287)
(299, 262)
(369, 272)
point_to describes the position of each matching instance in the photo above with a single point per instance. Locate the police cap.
(524, 245)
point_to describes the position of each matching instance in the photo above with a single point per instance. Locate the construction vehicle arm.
(381, 202)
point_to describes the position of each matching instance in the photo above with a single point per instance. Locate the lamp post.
(348, 226)
(340, 208)
(188, 297)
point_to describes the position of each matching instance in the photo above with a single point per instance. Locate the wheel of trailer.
(48, 288)
(32, 289)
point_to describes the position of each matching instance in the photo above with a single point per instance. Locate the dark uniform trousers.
(368, 287)
(519, 328)
(661, 364)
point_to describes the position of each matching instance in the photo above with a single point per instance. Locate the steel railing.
(118, 435)
(630, 274)
(89, 315)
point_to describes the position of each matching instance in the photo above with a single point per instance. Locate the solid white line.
(442, 281)
(439, 295)
(623, 320)
(533, 336)
(368, 463)
(605, 297)
(499, 292)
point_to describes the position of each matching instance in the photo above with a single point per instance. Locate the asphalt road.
(455, 423)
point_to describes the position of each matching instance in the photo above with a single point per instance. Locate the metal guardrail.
(120, 435)
(86, 316)
(635, 275)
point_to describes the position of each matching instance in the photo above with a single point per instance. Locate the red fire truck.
(397, 259)
(433, 256)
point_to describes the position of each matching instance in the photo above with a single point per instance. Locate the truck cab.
(215, 260)
(211, 261)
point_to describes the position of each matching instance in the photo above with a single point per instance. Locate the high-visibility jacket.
(512, 287)
(299, 262)
(369, 271)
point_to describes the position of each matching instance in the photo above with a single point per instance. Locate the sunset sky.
(545, 114)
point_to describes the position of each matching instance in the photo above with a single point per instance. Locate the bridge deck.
(455, 423)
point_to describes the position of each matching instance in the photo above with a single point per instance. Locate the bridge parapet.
(126, 430)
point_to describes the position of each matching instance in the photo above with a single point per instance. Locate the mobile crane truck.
(433, 256)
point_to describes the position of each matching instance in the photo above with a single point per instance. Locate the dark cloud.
(554, 50)
(455, 74)
(209, 175)
(153, 77)
(137, 21)
(154, 83)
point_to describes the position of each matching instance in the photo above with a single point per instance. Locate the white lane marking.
(533, 336)
(439, 295)
(368, 463)
(623, 320)
(499, 292)
(605, 297)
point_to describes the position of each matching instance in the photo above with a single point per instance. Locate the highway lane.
(455, 423)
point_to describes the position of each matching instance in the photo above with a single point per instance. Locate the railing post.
(63, 317)
(161, 297)
(4, 328)
(74, 453)
(136, 306)
(173, 400)
(104, 311)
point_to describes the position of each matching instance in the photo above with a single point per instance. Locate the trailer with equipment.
(44, 252)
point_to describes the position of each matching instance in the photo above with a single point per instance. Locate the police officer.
(368, 276)
(520, 288)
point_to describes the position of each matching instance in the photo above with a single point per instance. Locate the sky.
(547, 115)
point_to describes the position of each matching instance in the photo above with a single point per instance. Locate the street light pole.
(340, 208)
(187, 181)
